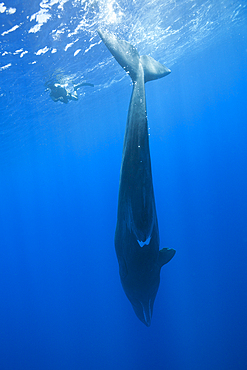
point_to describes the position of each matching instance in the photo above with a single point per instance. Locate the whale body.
(137, 234)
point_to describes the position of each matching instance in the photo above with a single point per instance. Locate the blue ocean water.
(62, 305)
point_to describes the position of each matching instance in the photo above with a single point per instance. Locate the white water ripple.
(58, 40)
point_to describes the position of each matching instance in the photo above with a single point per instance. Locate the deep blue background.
(61, 302)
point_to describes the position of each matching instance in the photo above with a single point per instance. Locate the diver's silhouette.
(59, 92)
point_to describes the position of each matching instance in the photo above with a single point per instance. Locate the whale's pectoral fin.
(165, 255)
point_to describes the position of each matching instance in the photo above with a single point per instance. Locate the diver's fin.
(82, 84)
(128, 57)
(165, 255)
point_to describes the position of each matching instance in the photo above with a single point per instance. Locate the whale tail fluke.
(130, 60)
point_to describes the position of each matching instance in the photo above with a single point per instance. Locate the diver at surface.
(59, 92)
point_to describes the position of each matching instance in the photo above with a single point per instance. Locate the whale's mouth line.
(147, 315)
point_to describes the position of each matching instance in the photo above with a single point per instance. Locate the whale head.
(141, 294)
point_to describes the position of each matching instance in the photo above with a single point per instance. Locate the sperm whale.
(137, 234)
